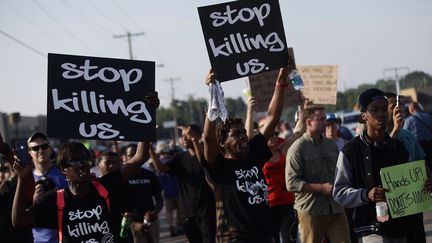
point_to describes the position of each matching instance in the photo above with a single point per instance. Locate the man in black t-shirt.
(195, 196)
(147, 201)
(234, 164)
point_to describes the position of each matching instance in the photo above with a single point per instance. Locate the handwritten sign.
(244, 37)
(100, 98)
(262, 87)
(406, 183)
(320, 83)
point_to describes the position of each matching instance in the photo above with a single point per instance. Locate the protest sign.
(100, 98)
(406, 184)
(244, 37)
(262, 87)
(320, 83)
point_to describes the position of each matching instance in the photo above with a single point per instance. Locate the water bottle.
(296, 80)
(125, 223)
(381, 211)
(146, 223)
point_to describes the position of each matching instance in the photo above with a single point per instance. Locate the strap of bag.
(60, 206)
(102, 192)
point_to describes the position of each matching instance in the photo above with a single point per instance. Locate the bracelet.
(281, 84)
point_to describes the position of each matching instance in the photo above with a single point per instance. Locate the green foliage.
(346, 101)
(193, 110)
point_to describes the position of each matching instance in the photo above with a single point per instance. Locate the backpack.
(60, 205)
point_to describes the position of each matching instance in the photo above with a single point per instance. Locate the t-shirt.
(196, 197)
(168, 182)
(42, 235)
(241, 192)
(85, 219)
(274, 172)
(144, 186)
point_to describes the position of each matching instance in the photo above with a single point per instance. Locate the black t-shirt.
(86, 218)
(8, 233)
(241, 192)
(195, 195)
(144, 186)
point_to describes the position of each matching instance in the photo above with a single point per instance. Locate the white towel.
(216, 102)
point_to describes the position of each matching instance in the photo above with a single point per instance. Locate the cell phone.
(22, 152)
(400, 101)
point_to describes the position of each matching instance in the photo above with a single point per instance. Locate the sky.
(362, 37)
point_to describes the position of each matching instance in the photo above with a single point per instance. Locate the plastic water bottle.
(125, 223)
(296, 80)
(381, 211)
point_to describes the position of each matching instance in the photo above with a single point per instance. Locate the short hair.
(309, 111)
(105, 154)
(223, 128)
(71, 151)
(131, 145)
(195, 128)
(389, 94)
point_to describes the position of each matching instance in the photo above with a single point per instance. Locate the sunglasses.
(79, 163)
(37, 147)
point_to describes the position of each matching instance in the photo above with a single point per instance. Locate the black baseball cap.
(368, 96)
(36, 135)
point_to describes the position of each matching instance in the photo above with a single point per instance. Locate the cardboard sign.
(244, 37)
(262, 88)
(406, 183)
(100, 98)
(320, 83)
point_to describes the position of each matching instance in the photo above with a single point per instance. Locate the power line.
(64, 29)
(23, 44)
(173, 105)
(107, 16)
(46, 33)
(101, 27)
(124, 14)
(129, 36)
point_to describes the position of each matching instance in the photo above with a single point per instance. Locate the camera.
(47, 183)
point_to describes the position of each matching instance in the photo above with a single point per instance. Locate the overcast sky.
(362, 37)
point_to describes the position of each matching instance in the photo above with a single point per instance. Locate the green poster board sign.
(406, 184)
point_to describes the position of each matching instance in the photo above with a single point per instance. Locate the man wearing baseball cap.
(332, 130)
(45, 173)
(358, 183)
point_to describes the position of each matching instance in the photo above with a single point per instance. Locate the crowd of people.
(229, 181)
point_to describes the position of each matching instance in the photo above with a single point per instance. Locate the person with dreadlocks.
(234, 166)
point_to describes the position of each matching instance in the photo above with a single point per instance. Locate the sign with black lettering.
(100, 98)
(244, 37)
(406, 184)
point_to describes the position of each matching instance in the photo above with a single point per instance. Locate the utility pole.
(173, 107)
(129, 39)
(397, 77)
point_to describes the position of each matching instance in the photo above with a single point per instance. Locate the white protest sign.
(320, 83)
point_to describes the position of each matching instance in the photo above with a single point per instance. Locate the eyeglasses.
(78, 163)
(37, 147)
